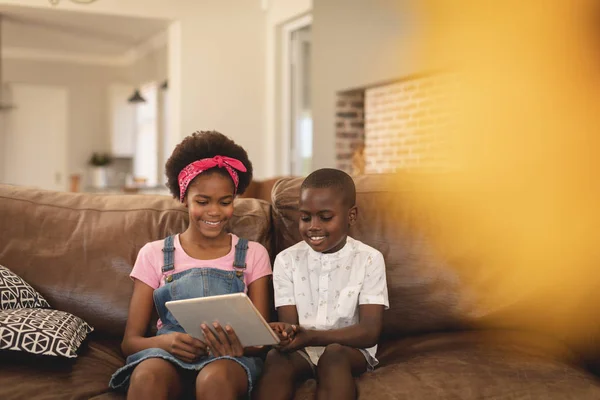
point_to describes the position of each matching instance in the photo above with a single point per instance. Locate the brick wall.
(404, 126)
(350, 131)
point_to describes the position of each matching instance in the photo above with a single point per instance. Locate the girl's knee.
(221, 378)
(153, 373)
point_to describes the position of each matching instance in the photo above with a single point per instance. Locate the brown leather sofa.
(77, 250)
(260, 189)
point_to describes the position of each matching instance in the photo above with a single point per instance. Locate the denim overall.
(191, 283)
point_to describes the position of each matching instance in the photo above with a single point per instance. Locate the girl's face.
(209, 200)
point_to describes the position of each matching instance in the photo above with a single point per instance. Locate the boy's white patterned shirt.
(327, 288)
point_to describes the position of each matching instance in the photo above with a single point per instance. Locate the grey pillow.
(16, 293)
(42, 332)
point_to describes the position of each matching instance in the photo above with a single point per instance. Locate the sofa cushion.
(78, 249)
(474, 365)
(50, 378)
(16, 293)
(42, 331)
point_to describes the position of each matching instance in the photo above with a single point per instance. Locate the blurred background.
(96, 93)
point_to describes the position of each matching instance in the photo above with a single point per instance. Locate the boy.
(330, 293)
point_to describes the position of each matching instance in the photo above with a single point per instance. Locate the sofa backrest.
(425, 294)
(77, 250)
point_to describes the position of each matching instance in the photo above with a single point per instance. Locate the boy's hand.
(301, 338)
(183, 346)
(224, 343)
(284, 331)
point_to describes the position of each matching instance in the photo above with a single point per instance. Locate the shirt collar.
(341, 253)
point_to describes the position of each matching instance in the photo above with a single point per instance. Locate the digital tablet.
(235, 310)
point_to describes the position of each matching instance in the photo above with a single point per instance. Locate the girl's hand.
(284, 331)
(300, 340)
(183, 346)
(224, 343)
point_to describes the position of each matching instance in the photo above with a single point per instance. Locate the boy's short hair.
(335, 179)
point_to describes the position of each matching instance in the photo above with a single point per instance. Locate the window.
(297, 108)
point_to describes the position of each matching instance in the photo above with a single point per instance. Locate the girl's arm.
(140, 312)
(180, 345)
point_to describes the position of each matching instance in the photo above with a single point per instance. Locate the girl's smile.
(209, 201)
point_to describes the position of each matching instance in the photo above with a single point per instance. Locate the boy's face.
(325, 219)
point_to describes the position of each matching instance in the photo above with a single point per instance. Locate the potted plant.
(99, 163)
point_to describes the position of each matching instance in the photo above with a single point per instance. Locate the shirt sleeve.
(283, 282)
(374, 288)
(144, 269)
(261, 264)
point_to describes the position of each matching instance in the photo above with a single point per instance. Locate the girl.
(205, 172)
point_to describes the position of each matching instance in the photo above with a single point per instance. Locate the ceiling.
(57, 30)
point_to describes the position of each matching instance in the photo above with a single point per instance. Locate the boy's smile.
(324, 219)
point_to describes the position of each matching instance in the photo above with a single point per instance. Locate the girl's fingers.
(185, 355)
(193, 342)
(211, 341)
(236, 346)
(223, 338)
(186, 348)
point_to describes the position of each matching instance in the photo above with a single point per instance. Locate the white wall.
(88, 124)
(221, 44)
(222, 75)
(356, 43)
(151, 67)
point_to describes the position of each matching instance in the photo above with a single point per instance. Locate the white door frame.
(286, 76)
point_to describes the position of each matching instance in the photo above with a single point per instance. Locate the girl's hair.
(206, 144)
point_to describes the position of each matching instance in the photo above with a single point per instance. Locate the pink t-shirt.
(150, 261)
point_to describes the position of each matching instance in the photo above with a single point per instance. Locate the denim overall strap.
(168, 255)
(239, 261)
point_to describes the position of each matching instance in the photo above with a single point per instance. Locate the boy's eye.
(305, 218)
(326, 218)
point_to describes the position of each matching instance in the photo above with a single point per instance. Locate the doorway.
(34, 148)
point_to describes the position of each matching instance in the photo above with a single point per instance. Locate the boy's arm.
(288, 314)
(365, 334)
(373, 299)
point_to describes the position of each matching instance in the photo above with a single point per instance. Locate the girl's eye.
(225, 203)
(305, 218)
(202, 203)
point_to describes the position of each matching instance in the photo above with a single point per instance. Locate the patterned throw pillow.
(16, 293)
(42, 331)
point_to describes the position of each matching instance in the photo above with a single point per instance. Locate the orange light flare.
(519, 218)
